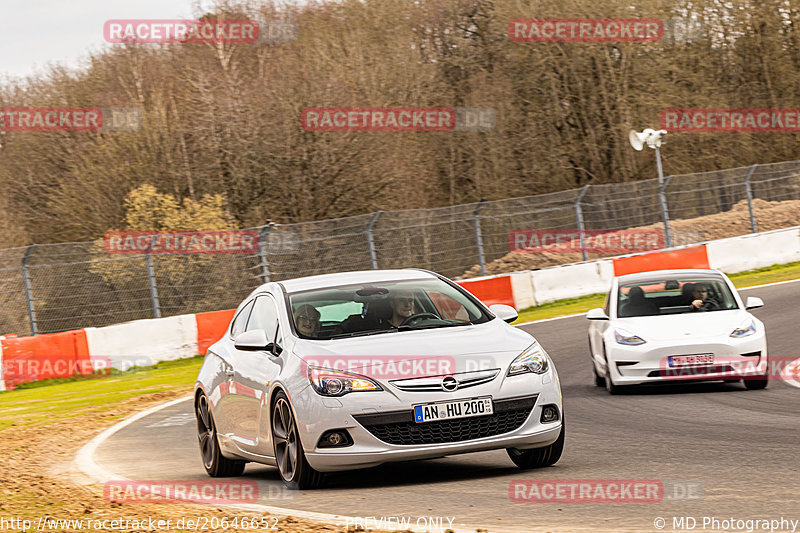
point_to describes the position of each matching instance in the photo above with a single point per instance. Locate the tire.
(294, 469)
(539, 457)
(756, 384)
(598, 380)
(216, 464)
(611, 387)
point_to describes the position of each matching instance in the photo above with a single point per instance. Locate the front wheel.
(292, 464)
(755, 384)
(216, 464)
(539, 457)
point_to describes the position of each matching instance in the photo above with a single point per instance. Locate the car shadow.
(396, 474)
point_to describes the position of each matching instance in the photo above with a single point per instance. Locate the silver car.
(351, 370)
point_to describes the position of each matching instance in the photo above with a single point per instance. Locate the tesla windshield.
(671, 296)
(366, 309)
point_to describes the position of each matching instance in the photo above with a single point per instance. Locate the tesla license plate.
(684, 360)
(430, 412)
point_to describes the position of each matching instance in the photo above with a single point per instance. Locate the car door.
(253, 372)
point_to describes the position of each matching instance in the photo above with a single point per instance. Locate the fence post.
(662, 198)
(579, 216)
(26, 281)
(478, 236)
(749, 190)
(263, 261)
(151, 278)
(370, 242)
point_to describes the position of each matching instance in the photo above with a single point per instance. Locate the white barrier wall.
(143, 342)
(756, 250)
(571, 281)
(522, 289)
(2, 368)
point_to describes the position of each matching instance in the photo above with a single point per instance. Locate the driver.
(701, 299)
(402, 304)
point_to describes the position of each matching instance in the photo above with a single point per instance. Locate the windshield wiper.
(433, 326)
(362, 333)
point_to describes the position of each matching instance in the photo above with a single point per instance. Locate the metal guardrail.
(55, 287)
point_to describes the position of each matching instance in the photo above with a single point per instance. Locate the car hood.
(685, 325)
(462, 348)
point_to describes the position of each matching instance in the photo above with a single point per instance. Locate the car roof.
(361, 276)
(677, 273)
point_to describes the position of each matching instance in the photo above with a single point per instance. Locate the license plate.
(431, 412)
(683, 360)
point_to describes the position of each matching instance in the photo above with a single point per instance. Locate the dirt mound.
(736, 221)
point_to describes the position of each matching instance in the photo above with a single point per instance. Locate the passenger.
(701, 300)
(638, 305)
(306, 319)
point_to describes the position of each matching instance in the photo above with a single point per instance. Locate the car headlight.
(533, 359)
(627, 338)
(329, 382)
(747, 328)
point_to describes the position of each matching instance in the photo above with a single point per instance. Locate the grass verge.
(760, 276)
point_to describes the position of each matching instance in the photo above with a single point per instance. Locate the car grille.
(398, 427)
(434, 383)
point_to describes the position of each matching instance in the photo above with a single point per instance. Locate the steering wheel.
(418, 316)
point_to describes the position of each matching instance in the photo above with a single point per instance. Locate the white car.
(676, 325)
(351, 370)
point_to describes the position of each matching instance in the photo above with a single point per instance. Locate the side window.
(240, 321)
(607, 305)
(448, 308)
(264, 316)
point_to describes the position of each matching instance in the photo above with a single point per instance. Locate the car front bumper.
(733, 359)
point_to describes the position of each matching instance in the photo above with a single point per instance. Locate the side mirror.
(253, 341)
(504, 312)
(597, 314)
(753, 302)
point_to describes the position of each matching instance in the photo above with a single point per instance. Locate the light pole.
(653, 139)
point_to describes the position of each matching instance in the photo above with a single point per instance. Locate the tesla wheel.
(611, 387)
(216, 464)
(755, 384)
(598, 380)
(294, 469)
(539, 457)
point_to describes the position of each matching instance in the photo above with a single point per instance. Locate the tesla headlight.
(627, 338)
(329, 382)
(533, 359)
(747, 328)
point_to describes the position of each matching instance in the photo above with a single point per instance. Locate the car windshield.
(673, 296)
(385, 307)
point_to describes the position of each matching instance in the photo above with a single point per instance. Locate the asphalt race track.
(741, 447)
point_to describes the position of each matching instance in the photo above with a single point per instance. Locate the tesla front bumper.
(656, 360)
